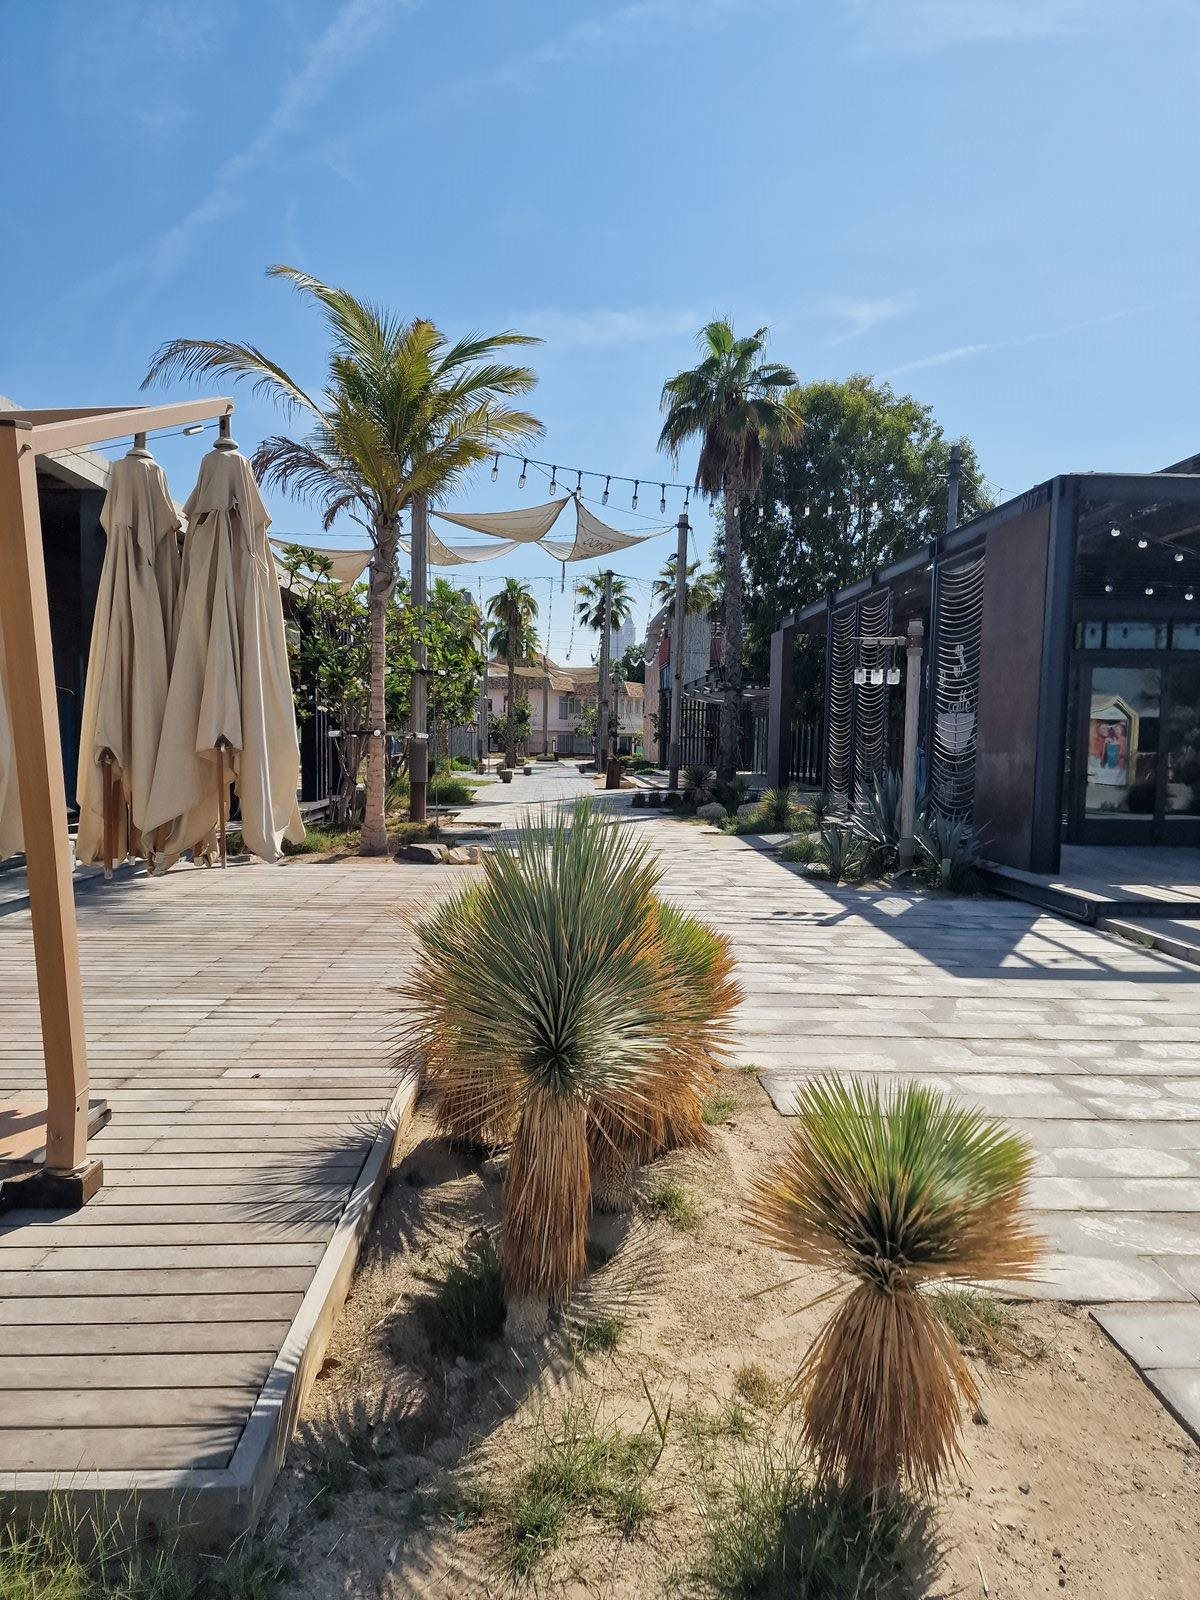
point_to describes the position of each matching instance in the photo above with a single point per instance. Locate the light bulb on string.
(1189, 595)
(636, 485)
(687, 495)
(662, 504)
(604, 496)
(1179, 555)
(1149, 588)
(1143, 543)
(1116, 532)
(1108, 588)
(553, 479)
(578, 482)
(495, 466)
(521, 479)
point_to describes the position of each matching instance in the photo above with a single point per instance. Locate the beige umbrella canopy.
(229, 712)
(129, 663)
(11, 836)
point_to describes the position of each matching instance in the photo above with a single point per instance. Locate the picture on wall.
(1113, 732)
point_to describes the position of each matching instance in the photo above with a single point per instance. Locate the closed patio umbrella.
(133, 637)
(229, 712)
(11, 836)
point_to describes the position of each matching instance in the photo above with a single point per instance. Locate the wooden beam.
(64, 431)
(25, 621)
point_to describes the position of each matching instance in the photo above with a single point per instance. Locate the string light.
(1108, 588)
(662, 504)
(521, 479)
(1149, 588)
(1189, 595)
(495, 467)
(604, 496)
(1179, 555)
(1116, 532)
(578, 482)
(196, 427)
(636, 485)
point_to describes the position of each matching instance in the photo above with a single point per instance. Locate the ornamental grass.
(895, 1190)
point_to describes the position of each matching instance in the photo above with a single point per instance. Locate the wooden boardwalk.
(238, 1024)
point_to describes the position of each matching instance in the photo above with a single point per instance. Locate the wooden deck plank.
(68, 1451)
(91, 1339)
(243, 1369)
(83, 1310)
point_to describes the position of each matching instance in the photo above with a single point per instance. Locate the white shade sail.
(11, 836)
(455, 555)
(345, 566)
(594, 538)
(521, 527)
(129, 660)
(230, 706)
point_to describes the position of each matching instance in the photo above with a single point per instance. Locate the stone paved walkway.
(1088, 1045)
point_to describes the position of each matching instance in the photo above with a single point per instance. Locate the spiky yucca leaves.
(698, 995)
(895, 1189)
(541, 993)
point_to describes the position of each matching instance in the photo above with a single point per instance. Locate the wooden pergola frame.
(33, 707)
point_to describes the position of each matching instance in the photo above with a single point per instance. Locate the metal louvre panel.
(840, 740)
(871, 699)
(955, 686)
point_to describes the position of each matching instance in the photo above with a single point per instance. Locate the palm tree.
(737, 405)
(513, 609)
(699, 590)
(589, 608)
(403, 415)
(894, 1189)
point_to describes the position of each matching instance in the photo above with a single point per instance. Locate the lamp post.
(677, 624)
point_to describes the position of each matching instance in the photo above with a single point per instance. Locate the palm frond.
(196, 358)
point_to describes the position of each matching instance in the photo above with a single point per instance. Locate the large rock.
(714, 811)
(464, 855)
(750, 809)
(431, 855)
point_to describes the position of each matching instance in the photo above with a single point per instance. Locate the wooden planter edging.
(212, 1507)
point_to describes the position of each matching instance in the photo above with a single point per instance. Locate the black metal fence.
(806, 755)
(700, 729)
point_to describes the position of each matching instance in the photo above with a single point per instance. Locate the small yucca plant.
(697, 785)
(894, 1189)
(663, 1110)
(540, 994)
(778, 806)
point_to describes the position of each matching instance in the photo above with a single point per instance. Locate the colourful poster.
(1109, 741)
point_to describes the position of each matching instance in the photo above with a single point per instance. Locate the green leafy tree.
(513, 609)
(864, 483)
(522, 724)
(737, 405)
(404, 414)
(631, 668)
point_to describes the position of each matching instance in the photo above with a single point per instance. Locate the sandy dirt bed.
(1077, 1481)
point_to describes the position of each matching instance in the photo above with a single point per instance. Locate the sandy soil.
(1077, 1482)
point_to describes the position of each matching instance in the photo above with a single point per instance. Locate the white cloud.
(602, 327)
(965, 352)
(858, 316)
(926, 25)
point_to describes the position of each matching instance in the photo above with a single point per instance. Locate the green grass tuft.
(755, 1385)
(717, 1108)
(669, 1198)
(702, 1428)
(577, 1466)
(802, 849)
(597, 1335)
(771, 1534)
(983, 1326)
(324, 841)
(466, 1309)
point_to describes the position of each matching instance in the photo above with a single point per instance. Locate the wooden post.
(418, 750)
(25, 616)
(602, 678)
(678, 624)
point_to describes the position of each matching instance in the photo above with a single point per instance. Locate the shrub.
(777, 807)
(716, 1109)
(323, 841)
(697, 786)
(893, 1190)
(670, 1198)
(877, 816)
(801, 848)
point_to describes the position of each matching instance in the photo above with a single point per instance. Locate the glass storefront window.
(1122, 748)
(1136, 636)
(1091, 635)
(1185, 636)
(1182, 740)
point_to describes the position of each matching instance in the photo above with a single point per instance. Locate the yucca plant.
(841, 852)
(949, 851)
(894, 1189)
(777, 807)
(540, 993)
(664, 1109)
(877, 815)
(697, 785)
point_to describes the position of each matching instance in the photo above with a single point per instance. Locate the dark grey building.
(1061, 683)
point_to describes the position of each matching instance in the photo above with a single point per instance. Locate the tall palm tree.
(404, 413)
(514, 609)
(737, 404)
(699, 590)
(589, 608)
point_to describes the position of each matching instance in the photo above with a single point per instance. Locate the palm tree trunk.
(731, 705)
(383, 566)
(510, 730)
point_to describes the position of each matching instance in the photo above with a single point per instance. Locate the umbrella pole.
(106, 762)
(222, 795)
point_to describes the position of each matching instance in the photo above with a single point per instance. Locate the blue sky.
(991, 202)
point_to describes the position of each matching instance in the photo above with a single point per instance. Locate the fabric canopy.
(129, 662)
(522, 527)
(12, 838)
(345, 566)
(230, 702)
(455, 555)
(593, 538)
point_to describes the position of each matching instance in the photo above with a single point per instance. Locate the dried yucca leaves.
(893, 1189)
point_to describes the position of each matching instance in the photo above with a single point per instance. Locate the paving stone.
(1180, 1388)
(1168, 1336)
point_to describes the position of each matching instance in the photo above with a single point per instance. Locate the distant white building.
(623, 637)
